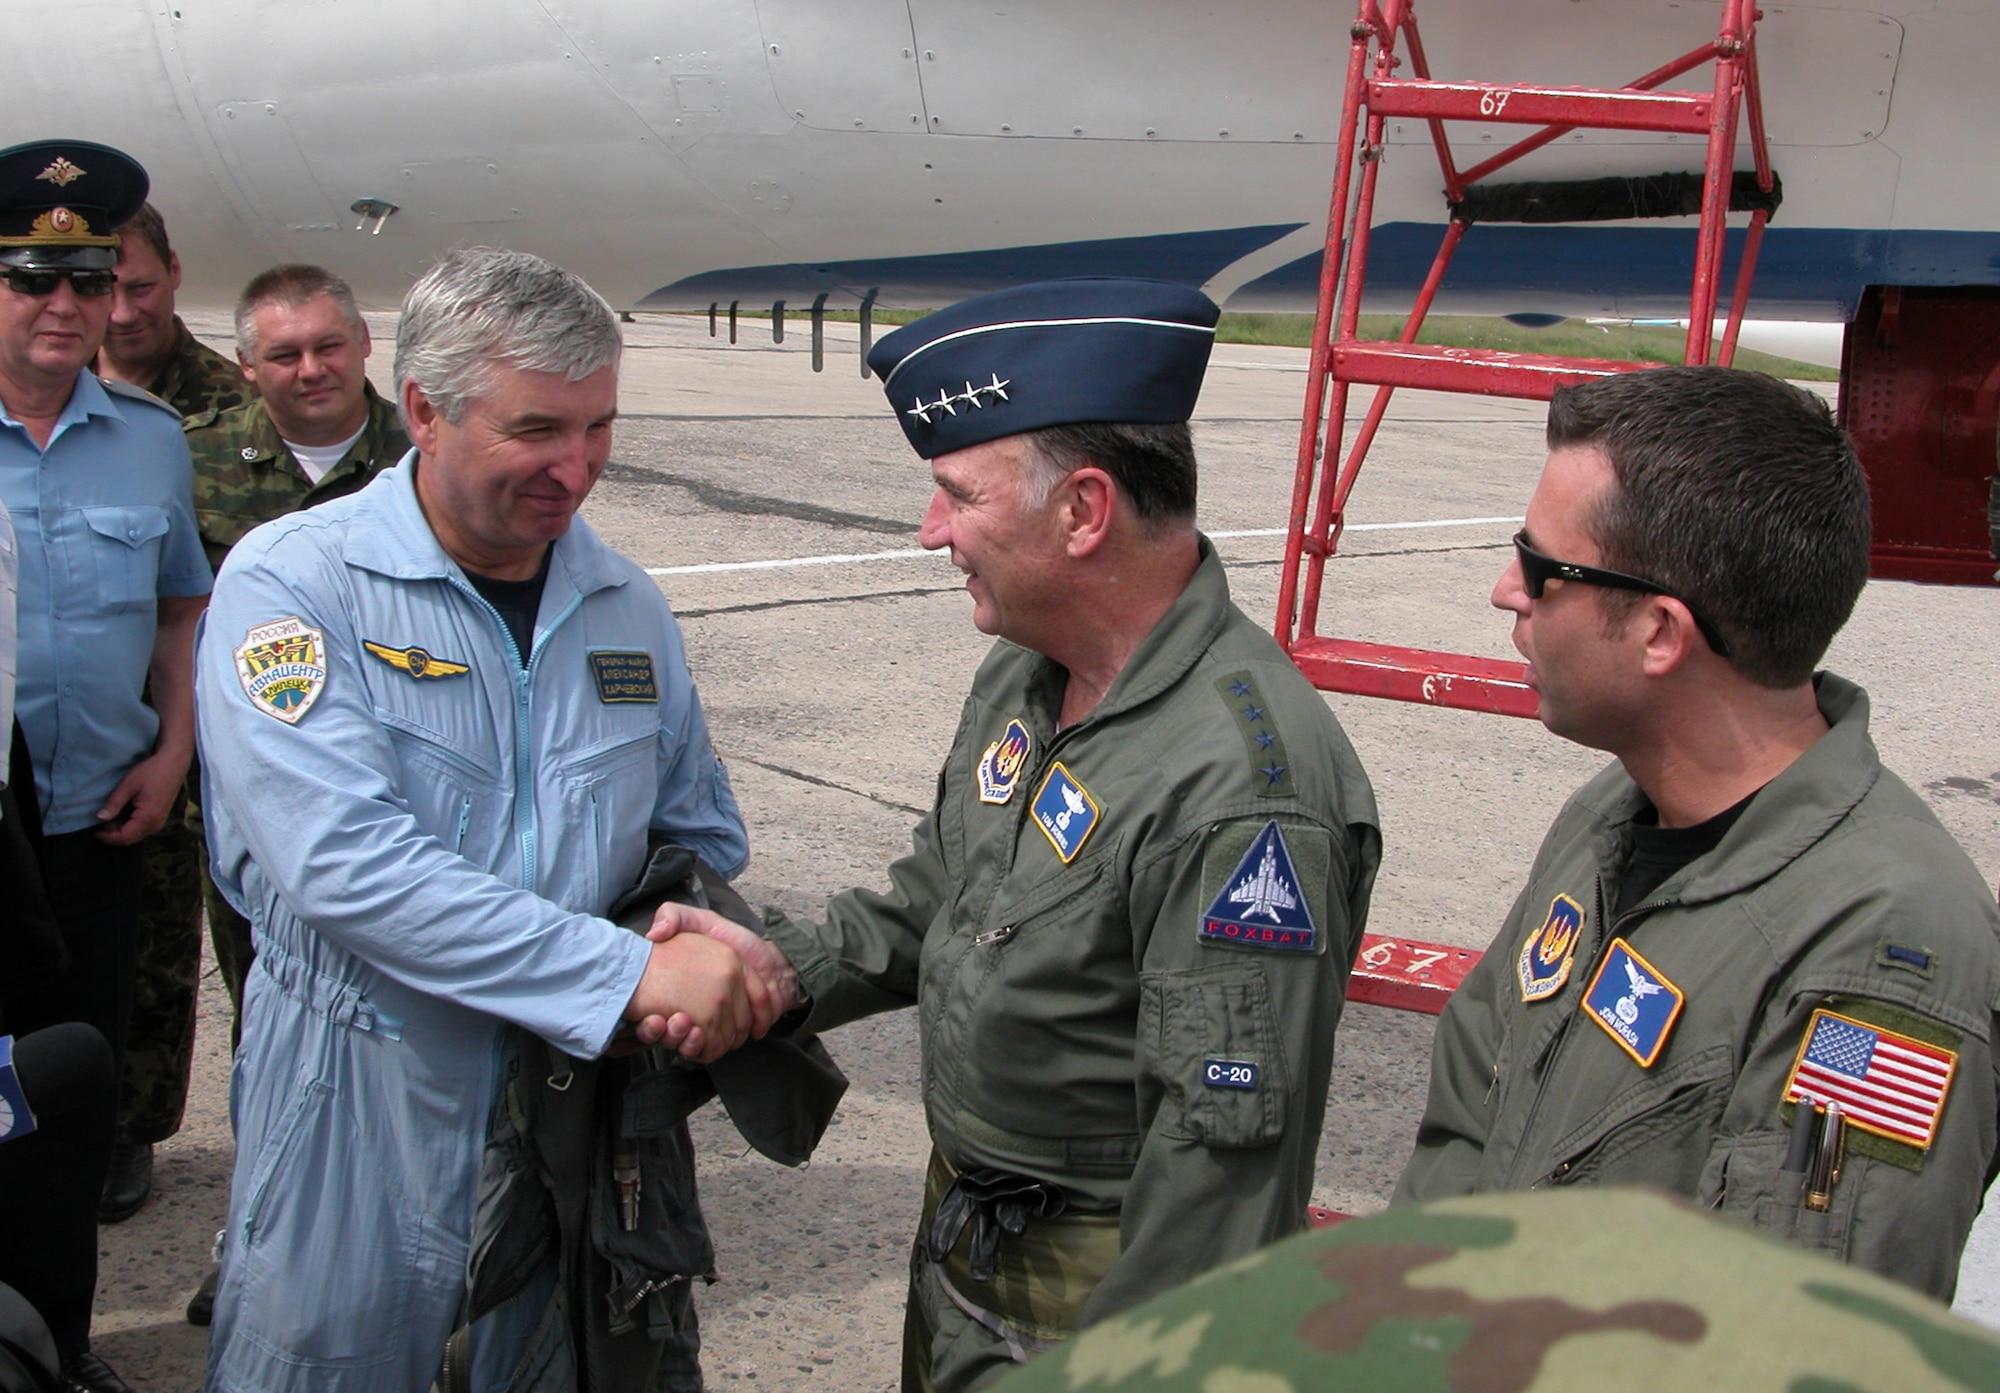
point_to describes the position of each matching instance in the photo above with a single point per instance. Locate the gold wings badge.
(415, 661)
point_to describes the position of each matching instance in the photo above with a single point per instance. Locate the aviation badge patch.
(1261, 903)
(1065, 812)
(1000, 767)
(1634, 1003)
(415, 661)
(1550, 951)
(282, 666)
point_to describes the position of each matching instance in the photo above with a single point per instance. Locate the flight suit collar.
(1791, 813)
(392, 538)
(1164, 656)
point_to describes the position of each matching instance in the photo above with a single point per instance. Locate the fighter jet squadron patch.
(282, 666)
(415, 661)
(1000, 767)
(1065, 812)
(1634, 1003)
(1550, 951)
(1261, 903)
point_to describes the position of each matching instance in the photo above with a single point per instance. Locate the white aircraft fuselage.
(680, 153)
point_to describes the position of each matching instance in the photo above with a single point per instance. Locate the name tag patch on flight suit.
(1888, 1083)
(415, 661)
(624, 677)
(282, 666)
(1065, 812)
(1550, 952)
(1229, 1073)
(1261, 902)
(1634, 1003)
(1000, 767)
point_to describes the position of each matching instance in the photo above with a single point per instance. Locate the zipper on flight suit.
(525, 823)
(1611, 931)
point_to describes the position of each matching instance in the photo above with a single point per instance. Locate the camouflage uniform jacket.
(244, 476)
(1078, 1023)
(199, 381)
(1836, 888)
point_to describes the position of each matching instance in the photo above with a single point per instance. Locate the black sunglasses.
(89, 285)
(1538, 570)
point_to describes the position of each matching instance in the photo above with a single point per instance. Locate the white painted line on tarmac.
(856, 558)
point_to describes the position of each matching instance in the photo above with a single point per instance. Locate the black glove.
(991, 1200)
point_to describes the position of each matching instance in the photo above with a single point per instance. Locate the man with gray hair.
(442, 723)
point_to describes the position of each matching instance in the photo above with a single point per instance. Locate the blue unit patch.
(15, 1118)
(1550, 951)
(624, 678)
(1000, 767)
(1229, 1073)
(1065, 812)
(1261, 904)
(1634, 1003)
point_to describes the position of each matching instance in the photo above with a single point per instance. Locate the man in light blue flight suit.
(438, 719)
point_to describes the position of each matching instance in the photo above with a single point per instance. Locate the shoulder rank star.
(415, 661)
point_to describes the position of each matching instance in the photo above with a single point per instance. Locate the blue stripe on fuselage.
(1802, 273)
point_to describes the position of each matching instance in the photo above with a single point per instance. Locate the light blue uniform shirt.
(104, 528)
(10, 577)
(422, 844)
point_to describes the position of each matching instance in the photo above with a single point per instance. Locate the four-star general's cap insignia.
(415, 661)
(1000, 767)
(1066, 812)
(1047, 354)
(61, 172)
(282, 666)
(1261, 904)
(1633, 1002)
(1549, 953)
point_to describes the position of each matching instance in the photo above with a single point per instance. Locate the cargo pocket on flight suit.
(326, 1270)
(1755, 1190)
(1210, 1035)
(125, 548)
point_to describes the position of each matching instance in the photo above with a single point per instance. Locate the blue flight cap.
(1053, 353)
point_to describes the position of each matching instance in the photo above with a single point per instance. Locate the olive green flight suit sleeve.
(1223, 1170)
(1465, 1066)
(1893, 1210)
(863, 959)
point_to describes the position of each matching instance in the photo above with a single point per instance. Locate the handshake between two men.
(710, 984)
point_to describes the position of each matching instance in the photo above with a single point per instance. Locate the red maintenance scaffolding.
(1401, 973)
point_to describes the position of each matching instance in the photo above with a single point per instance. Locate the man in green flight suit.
(1127, 922)
(315, 431)
(1749, 966)
(146, 345)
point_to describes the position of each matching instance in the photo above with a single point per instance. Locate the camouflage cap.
(1566, 1290)
(60, 201)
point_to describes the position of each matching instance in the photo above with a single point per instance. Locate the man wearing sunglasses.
(112, 581)
(1749, 965)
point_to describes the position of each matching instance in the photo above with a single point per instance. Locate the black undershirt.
(1658, 852)
(518, 602)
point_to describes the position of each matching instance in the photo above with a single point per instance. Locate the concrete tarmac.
(779, 509)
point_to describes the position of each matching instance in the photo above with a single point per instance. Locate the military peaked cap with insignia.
(1053, 353)
(62, 201)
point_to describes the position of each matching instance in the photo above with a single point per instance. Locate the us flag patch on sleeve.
(1887, 1083)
